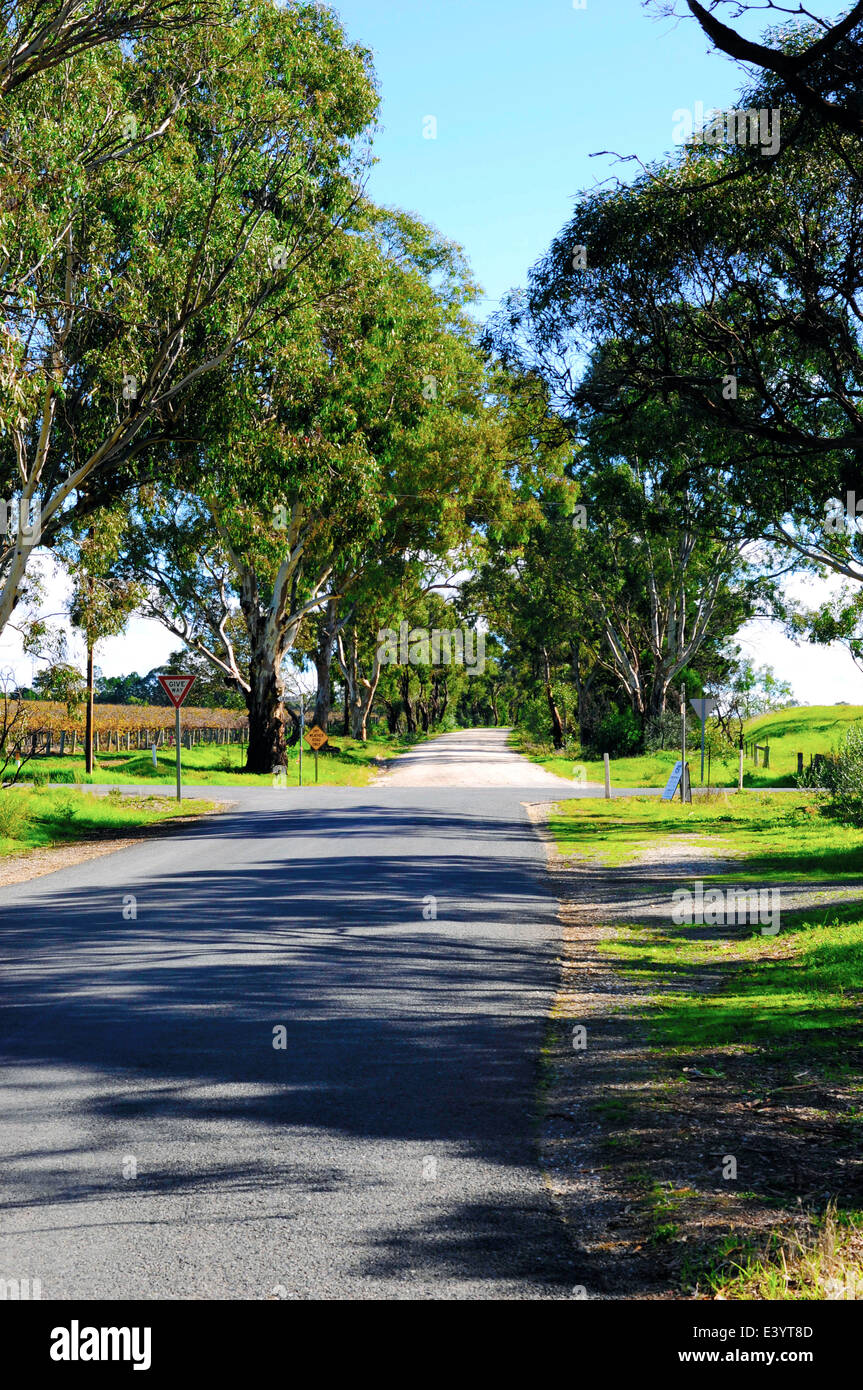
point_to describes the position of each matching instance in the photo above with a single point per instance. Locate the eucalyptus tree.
(816, 63)
(741, 312)
(624, 571)
(360, 437)
(38, 35)
(102, 600)
(156, 231)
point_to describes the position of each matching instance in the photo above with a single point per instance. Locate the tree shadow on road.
(398, 1029)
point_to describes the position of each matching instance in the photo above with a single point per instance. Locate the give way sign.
(176, 688)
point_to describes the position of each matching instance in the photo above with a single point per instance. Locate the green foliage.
(15, 814)
(841, 775)
(195, 173)
(63, 683)
(533, 718)
(663, 731)
(618, 733)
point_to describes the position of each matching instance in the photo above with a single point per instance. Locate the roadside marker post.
(177, 688)
(607, 777)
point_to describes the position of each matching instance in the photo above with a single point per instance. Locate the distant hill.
(805, 729)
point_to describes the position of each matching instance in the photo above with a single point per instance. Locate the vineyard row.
(45, 742)
(44, 715)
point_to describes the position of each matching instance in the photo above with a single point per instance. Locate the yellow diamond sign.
(316, 737)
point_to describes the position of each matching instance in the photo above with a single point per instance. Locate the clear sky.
(523, 94)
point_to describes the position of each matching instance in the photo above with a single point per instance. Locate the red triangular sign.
(176, 688)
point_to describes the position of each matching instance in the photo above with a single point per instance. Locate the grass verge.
(728, 1091)
(350, 764)
(31, 820)
(774, 839)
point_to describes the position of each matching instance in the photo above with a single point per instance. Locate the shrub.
(535, 720)
(618, 733)
(840, 774)
(59, 809)
(15, 814)
(663, 731)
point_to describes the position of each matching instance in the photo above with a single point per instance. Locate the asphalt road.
(155, 1143)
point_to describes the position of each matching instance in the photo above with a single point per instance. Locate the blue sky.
(523, 95)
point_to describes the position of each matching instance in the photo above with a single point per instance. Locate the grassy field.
(774, 839)
(805, 729)
(60, 816)
(353, 765)
(644, 770)
(816, 981)
(742, 1024)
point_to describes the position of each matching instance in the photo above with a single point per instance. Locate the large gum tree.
(361, 437)
(156, 231)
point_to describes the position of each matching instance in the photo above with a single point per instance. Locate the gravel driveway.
(470, 758)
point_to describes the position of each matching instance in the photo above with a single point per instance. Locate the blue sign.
(673, 782)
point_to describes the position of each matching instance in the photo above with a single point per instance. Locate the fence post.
(799, 763)
(755, 751)
(767, 755)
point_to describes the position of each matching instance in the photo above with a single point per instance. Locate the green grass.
(792, 992)
(221, 764)
(825, 1264)
(58, 816)
(775, 838)
(794, 988)
(805, 729)
(761, 1015)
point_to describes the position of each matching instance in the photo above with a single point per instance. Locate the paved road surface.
(386, 1151)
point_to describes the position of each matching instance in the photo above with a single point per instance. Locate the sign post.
(703, 708)
(302, 734)
(683, 739)
(177, 688)
(317, 738)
